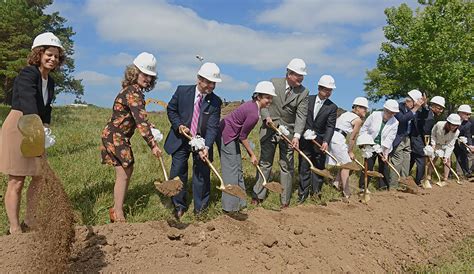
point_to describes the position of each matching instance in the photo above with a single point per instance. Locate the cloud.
(119, 60)
(94, 78)
(371, 42)
(322, 15)
(178, 31)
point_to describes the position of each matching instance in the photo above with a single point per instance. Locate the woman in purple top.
(235, 128)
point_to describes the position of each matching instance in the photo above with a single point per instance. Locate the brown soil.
(169, 188)
(274, 187)
(393, 230)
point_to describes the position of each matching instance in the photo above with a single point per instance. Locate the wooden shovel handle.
(327, 152)
(162, 164)
(391, 166)
(261, 174)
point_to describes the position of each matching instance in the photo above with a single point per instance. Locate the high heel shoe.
(113, 217)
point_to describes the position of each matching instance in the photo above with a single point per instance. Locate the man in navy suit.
(196, 110)
(321, 118)
(400, 156)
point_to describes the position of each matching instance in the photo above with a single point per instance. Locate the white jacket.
(372, 126)
(441, 140)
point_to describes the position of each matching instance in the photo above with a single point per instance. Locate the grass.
(460, 259)
(76, 160)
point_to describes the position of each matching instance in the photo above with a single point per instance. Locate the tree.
(430, 49)
(21, 21)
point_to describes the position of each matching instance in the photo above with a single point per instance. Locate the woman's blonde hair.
(131, 77)
(34, 58)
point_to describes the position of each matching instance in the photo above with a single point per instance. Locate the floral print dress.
(128, 113)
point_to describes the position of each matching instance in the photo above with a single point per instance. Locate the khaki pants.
(400, 158)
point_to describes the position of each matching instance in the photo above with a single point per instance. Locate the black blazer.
(404, 116)
(27, 94)
(180, 112)
(325, 122)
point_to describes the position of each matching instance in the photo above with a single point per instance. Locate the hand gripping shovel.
(321, 172)
(408, 182)
(31, 127)
(233, 190)
(371, 173)
(365, 196)
(168, 187)
(426, 181)
(272, 186)
(349, 166)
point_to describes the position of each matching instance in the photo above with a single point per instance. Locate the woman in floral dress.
(128, 113)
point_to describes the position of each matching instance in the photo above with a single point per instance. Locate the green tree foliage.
(21, 21)
(430, 49)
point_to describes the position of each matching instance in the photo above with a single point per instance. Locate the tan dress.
(12, 161)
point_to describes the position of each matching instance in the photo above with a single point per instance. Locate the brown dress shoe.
(284, 206)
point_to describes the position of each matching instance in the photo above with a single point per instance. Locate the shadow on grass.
(86, 200)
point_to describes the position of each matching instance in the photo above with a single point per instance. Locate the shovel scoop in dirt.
(31, 127)
(407, 182)
(272, 186)
(233, 190)
(168, 187)
(322, 172)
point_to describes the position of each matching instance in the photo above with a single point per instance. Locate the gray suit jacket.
(290, 112)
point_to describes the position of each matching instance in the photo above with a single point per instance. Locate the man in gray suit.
(289, 108)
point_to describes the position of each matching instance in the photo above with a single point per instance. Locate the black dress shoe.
(178, 213)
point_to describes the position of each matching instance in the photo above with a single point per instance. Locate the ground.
(394, 231)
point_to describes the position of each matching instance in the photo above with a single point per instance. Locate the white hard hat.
(146, 63)
(265, 87)
(47, 39)
(365, 139)
(391, 105)
(415, 94)
(211, 72)
(465, 108)
(438, 100)
(327, 81)
(297, 65)
(454, 119)
(361, 101)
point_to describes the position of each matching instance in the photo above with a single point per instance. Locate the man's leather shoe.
(256, 201)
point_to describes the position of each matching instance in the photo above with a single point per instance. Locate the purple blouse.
(240, 122)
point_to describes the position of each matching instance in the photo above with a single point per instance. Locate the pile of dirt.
(393, 230)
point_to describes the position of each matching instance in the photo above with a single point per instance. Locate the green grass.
(460, 259)
(89, 184)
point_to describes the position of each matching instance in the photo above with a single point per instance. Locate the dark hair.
(34, 58)
(131, 77)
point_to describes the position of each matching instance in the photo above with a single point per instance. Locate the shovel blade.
(426, 184)
(350, 166)
(410, 184)
(373, 173)
(274, 187)
(441, 183)
(365, 198)
(322, 172)
(169, 188)
(234, 190)
(31, 127)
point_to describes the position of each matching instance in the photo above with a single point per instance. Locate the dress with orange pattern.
(128, 113)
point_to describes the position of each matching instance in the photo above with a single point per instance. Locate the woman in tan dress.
(33, 91)
(128, 114)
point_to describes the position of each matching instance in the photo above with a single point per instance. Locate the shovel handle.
(391, 166)
(327, 152)
(467, 147)
(454, 172)
(208, 163)
(435, 170)
(162, 164)
(366, 177)
(261, 174)
(359, 163)
(272, 125)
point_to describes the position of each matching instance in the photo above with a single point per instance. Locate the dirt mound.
(395, 229)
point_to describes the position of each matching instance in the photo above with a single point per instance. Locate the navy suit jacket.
(404, 116)
(180, 112)
(28, 95)
(325, 122)
(422, 126)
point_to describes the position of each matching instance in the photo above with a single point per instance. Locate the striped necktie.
(196, 112)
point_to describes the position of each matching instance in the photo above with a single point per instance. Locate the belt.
(341, 131)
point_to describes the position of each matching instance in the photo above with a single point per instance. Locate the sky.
(250, 40)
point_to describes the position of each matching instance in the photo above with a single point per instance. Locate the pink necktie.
(197, 110)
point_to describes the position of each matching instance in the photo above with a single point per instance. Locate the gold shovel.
(272, 186)
(350, 166)
(455, 174)
(365, 196)
(408, 182)
(168, 187)
(426, 181)
(31, 127)
(233, 190)
(439, 183)
(321, 172)
(371, 173)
